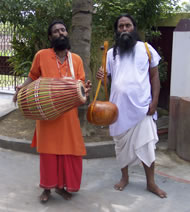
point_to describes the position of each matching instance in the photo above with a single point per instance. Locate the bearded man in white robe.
(135, 88)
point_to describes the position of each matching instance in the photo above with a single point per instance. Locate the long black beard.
(60, 43)
(126, 41)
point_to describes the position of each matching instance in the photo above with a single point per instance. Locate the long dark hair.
(116, 32)
(121, 16)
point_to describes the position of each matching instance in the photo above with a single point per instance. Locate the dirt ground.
(15, 125)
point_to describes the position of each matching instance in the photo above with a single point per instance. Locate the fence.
(8, 80)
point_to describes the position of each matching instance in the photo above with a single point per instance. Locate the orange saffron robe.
(63, 135)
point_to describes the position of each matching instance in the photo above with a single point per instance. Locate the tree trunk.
(80, 44)
(81, 30)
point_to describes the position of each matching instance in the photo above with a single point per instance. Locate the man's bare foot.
(65, 194)
(44, 197)
(156, 190)
(122, 184)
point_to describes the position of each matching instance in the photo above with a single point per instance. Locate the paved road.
(19, 178)
(6, 104)
(19, 174)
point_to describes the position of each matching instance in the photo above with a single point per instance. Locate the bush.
(31, 19)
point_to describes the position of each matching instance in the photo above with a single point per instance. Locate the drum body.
(102, 113)
(48, 98)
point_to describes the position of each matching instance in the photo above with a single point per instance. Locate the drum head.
(81, 91)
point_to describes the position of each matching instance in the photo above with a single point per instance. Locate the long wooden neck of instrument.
(104, 56)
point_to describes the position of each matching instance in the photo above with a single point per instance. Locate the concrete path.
(19, 174)
(6, 104)
(19, 179)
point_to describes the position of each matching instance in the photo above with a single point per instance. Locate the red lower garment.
(60, 171)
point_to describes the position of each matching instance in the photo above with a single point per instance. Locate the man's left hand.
(152, 108)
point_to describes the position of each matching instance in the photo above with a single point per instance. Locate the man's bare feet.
(65, 194)
(44, 197)
(151, 185)
(156, 190)
(122, 184)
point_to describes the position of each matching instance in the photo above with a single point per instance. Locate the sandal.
(65, 194)
(44, 197)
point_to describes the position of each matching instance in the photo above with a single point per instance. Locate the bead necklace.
(58, 66)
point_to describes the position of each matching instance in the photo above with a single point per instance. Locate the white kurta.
(130, 86)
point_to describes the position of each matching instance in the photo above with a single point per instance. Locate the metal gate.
(8, 80)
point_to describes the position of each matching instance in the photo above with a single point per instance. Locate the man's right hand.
(100, 74)
(16, 93)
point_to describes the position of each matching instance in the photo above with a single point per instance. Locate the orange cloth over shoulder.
(62, 136)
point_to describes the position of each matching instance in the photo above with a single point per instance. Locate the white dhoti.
(137, 144)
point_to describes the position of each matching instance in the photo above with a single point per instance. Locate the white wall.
(180, 71)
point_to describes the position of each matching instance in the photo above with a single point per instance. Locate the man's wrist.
(155, 101)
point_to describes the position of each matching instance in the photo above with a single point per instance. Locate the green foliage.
(5, 35)
(163, 70)
(9, 80)
(145, 12)
(6, 53)
(185, 7)
(163, 65)
(31, 19)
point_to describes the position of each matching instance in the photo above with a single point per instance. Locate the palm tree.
(80, 43)
(81, 30)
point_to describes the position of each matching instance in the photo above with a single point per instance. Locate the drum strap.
(71, 64)
(148, 52)
(149, 55)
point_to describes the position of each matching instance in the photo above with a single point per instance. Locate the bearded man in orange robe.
(59, 142)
